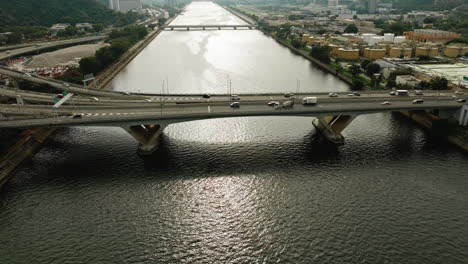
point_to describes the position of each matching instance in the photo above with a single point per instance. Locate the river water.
(240, 190)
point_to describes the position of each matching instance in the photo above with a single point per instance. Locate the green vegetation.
(396, 28)
(372, 68)
(321, 53)
(120, 41)
(351, 28)
(48, 12)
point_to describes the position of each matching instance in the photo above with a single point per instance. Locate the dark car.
(206, 96)
(77, 116)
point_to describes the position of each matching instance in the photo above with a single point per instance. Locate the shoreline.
(34, 139)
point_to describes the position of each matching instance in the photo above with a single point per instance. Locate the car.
(418, 92)
(273, 103)
(125, 93)
(458, 92)
(66, 84)
(288, 95)
(386, 103)
(356, 94)
(418, 101)
(235, 105)
(59, 96)
(147, 100)
(392, 93)
(95, 99)
(207, 96)
(77, 116)
(27, 75)
(332, 95)
(235, 97)
(461, 100)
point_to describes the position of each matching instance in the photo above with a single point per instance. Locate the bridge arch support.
(148, 137)
(332, 126)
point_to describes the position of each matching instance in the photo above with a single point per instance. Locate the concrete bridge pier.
(332, 126)
(147, 137)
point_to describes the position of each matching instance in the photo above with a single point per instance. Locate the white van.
(309, 100)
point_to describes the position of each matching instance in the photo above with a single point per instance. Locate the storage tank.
(399, 39)
(367, 37)
(376, 39)
(453, 51)
(389, 37)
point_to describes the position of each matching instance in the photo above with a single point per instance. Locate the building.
(426, 51)
(431, 35)
(332, 3)
(347, 54)
(455, 51)
(58, 27)
(125, 5)
(397, 52)
(374, 53)
(407, 80)
(371, 6)
(83, 26)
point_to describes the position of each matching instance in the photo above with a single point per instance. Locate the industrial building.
(125, 5)
(431, 35)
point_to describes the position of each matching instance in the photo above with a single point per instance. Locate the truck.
(402, 92)
(309, 100)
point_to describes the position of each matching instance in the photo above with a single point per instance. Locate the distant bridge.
(212, 26)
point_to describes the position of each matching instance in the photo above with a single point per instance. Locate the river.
(239, 190)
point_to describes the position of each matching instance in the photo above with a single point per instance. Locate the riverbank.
(30, 143)
(32, 140)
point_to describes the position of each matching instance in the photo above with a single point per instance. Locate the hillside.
(48, 12)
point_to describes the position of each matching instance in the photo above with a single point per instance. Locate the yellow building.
(347, 54)
(426, 51)
(397, 52)
(455, 51)
(374, 53)
(334, 49)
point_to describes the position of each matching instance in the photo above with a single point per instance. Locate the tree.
(355, 17)
(351, 28)
(321, 53)
(162, 20)
(90, 65)
(438, 83)
(297, 43)
(372, 68)
(357, 84)
(14, 38)
(322, 31)
(364, 63)
(105, 56)
(355, 70)
(98, 27)
(424, 85)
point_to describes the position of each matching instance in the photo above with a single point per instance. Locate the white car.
(95, 99)
(147, 100)
(418, 101)
(386, 103)
(332, 95)
(66, 84)
(235, 105)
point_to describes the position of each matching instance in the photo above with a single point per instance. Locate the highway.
(125, 115)
(48, 45)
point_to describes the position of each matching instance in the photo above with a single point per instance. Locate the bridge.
(214, 26)
(146, 121)
(32, 49)
(146, 116)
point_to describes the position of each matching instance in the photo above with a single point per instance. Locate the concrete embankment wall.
(425, 120)
(23, 150)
